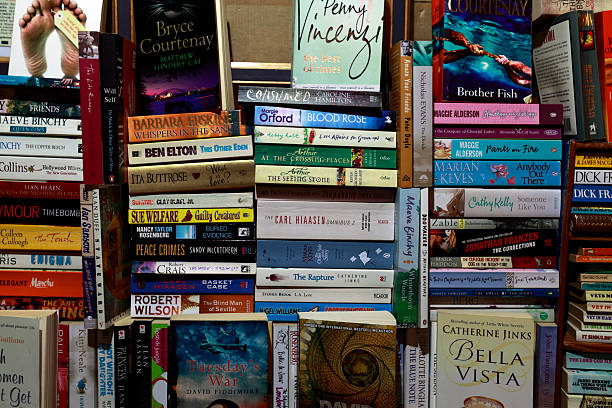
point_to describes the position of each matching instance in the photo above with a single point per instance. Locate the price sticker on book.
(69, 25)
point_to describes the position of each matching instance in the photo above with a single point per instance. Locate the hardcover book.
(485, 360)
(219, 360)
(181, 55)
(337, 47)
(482, 51)
(347, 359)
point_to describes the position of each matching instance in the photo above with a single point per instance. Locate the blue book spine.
(591, 382)
(38, 82)
(592, 194)
(325, 254)
(545, 365)
(89, 292)
(492, 149)
(192, 286)
(275, 116)
(503, 173)
(287, 311)
(495, 292)
(588, 361)
(492, 280)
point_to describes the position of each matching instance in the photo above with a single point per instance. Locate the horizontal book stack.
(178, 226)
(586, 380)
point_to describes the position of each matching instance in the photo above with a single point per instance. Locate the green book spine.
(325, 156)
(159, 364)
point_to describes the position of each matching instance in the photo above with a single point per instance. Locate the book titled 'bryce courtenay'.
(177, 51)
(482, 50)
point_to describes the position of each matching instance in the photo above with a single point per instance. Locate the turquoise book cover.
(219, 364)
(337, 44)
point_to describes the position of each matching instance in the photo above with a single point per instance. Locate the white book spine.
(177, 201)
(294, 356)
(325, 137)
(593, 177)
(41, 168)
(280, 361)
(188, 150)
(81, 368)
(323, 295)
(40, 261)
(599, 307)
(36, 125)
(333, 278)
(97, 248)
(591, 336)
(424, 260)
(106, 376)
(227, 268)
(433, 363)
(40, 146)
(280, 219)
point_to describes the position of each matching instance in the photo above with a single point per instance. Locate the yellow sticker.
(68, 24)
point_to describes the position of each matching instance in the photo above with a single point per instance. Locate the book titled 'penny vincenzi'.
(485, 360)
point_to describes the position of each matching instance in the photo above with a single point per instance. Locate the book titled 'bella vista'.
(485, 360)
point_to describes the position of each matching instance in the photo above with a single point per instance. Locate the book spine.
(595, 251)
(437, 28)
(211, 200)
(603, 36)
(592, 194)
(322, 193)
(39, 238)
(190, 216)
(41, 168)
(493, 280)
(596, 286)
(294, 96)
(63, 337)
(498, 203)
(433, 363)
(591, 336)
(595, 277)
(224, 251)
(35, 108)
(511, 133)
(294, 356)
(287, 312)
(416, 364)
(37, 125)
(280, 359)
(197, 125)
(91, 110)
(178, 267)
(497, 173)
(81, 368)
(587, 382)
(405, 294)
(325, 176)
(191, 176)
(422, 102)
(195, 286)
(41, 283)
(594, 127)
(552, 293)
(401, 102)
(595, 326)
(332, 278)
(312, 295)
(128, 105)
(508, 114)
(423, 303)
(324, 137)
(596, 295)
(122, 371)
(271, 116)
(106, 370)
(587, 361)
(340, 221)
(497, 149)
(590, 258)
(53, 190)
(591, 210)
(87, 258)
(491, 262)
(98, 256)
(325, 156)
(159, 364)
(190, 150)
(44, 211)
(494, 223)
(40, 146)
(141, 372)
(545, 365)
(597, 177)
(166, 306)
(202, 232)
(111, 59)
(325, 254)
(597, 161)
(37, 82)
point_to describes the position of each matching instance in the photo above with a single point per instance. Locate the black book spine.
(122, 352)
(40, 212)
(111, 72)
(141, 365)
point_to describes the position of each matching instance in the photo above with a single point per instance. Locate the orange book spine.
(603, 38)
(17, 237)
(34, 283)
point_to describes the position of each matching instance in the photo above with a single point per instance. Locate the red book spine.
(129, 104)
(91, 111)
(31, 189)
(603, 36)
(62, 366)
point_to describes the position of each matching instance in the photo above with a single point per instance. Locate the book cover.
(584, 401)
(219, 362)
(178, 56)
(347, 359)
(339, 47)
(482, 52)
(485, 360)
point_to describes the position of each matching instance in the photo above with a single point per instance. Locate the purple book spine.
(546, 357)
(497, 114)
(497, 132)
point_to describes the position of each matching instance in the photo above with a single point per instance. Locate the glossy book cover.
(178, 60)
(482, 50)
(219, 364)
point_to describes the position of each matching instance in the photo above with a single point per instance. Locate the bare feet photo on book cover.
(39, 47)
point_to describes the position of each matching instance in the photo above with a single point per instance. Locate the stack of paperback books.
(586, 380)
(322, 205)
(187, 229)
(40, 237)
